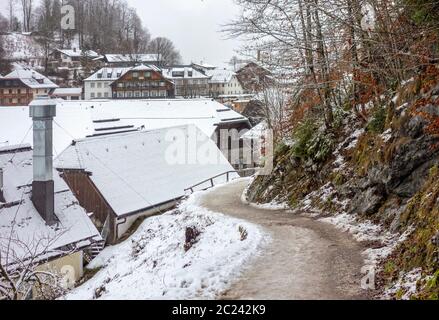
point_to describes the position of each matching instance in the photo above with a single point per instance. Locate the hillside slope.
(383, 174)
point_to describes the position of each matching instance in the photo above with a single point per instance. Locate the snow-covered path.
(306, 259)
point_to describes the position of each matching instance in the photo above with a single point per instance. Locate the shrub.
(311, 142)
(378, 121)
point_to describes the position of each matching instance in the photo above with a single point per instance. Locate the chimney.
(2, 198)
(42, 111)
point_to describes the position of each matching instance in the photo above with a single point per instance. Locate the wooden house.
(142, 82)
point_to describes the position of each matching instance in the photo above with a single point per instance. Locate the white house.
(67, 93)
(98, 85)
(70, 58)
(141, 173)
(224, 83)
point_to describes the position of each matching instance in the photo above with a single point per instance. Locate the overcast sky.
(193, 25)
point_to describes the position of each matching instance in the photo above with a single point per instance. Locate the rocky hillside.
(377, 178)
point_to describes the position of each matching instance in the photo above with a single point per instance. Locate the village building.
(254, 77)
(224, 83)
(98, 85)
(70, 58)
(129, 60)
(121, 177)
(80, 119)
(41, 222)
(142, 82)
(189, 82)
(23, 85)
(67, 93)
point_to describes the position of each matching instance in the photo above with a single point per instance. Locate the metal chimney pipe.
(42, 111)
(2, 199)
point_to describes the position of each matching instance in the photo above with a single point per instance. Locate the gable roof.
(78, 53)
(113, 74)
(31, 78)
(25, 224)
(79, 119)
(183, 73)
(108, 74)
(137, 171)
(127, 58)
(220, 75)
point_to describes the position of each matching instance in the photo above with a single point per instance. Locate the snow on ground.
(152, 263)
(273, 205)
(407, 284)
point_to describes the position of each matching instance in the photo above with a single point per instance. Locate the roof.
(25, 223)
(79, 119)
(220, 75)
(108, 74)
(78, 53)
(183, 73)
(139, 170)
(141, 57)
(31, 78)
(257, 132)
(112, 74)
(67, 91)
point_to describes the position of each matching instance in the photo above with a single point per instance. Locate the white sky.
(193, 25)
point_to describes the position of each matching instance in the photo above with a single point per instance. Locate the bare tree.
(27, 12)
(168, 54)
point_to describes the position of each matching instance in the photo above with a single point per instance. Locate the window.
(99, 95)
(162, 93)
(147, 74)
(120, 94)
(137, 94)
(92, 85)
(129, 94)
(92, 95)
(105, 94)
(135, 75)
(99, 85)
(145, 94)
(120, 85)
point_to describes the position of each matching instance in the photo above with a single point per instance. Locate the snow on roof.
(256, 132)
(220, 75)
(25, 224)
(67, 91)
(108, 74)
(143, 67)
(78, 53)
(31, 78)
(79, 119)
(183, 72)
(204, 65)
(139, 170)
(143, 57)
(112, 74)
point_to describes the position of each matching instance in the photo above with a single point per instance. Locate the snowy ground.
(152, 263)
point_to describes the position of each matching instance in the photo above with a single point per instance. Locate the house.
(129, 60)
(254, 77)
(41, 222)
(142, 82)
(98, 85)
(224, 83)
(81, 119)
(70, 58)
(121, 177)
(189, 82)
(23, 85)
(67, 93)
